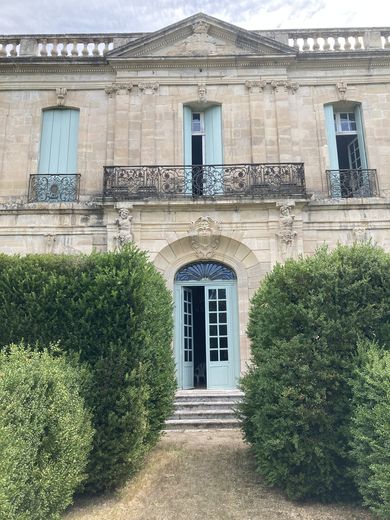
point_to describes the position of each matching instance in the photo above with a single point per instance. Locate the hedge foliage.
(115, 311)
(371, 428)
(305, 322)
(45, 434)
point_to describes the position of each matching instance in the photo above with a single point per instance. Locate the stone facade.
(130, 90)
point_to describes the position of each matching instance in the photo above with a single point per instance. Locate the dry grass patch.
(198, 475)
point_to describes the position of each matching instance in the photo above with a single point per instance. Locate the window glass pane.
(213, 355)
(186, 355)
(213, 306)
(213, 317)
(223, 354)
(222, 305)
(213, 343)
(212, 294)
(222, 330)
(213, 330)
(223, 343)
(222, 317)
(221, 293)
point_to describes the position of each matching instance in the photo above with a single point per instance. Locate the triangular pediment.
(201, 35)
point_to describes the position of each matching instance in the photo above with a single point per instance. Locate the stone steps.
(204, 409)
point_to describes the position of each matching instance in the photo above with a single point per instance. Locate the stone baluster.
(306, 45)
(295, 43)
(74, 50)
(64, 50)
(85, 51)
(316, 44)
(336, 46)
(13, 50)
(326, 46)
(358, 43)
(3, 49)
(95, 51)
(387, 43)
(347, 44)
(106, 47)
(54, 50)
(43, 51)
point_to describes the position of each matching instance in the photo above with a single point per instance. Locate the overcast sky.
(75, 16)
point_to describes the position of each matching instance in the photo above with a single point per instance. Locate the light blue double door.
(207, 347)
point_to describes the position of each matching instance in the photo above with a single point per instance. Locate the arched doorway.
(206, 326)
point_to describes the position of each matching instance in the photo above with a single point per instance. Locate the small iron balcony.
(54, 187)
(210, 181)
(352, 183)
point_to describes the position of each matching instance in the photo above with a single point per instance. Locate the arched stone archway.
(234, 254)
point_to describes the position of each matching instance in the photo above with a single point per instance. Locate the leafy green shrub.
(305, 321)
(45, 434)
(115, 311)
(371, 428)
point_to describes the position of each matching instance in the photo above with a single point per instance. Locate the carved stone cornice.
(255, 86)
(288, 86)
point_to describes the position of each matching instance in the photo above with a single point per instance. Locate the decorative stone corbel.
(118, 88)
(149, 87)
(255, 86)
(61, 94)
(202, 92)
(205, 235)
(286, 234)
(342, 90)
(123, 223)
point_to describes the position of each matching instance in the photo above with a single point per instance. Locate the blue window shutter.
(331, 138)
(334, 179)
(213, 130)
(360, 136)
(187, 117)
(59, 138)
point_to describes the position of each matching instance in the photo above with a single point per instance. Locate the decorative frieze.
(256, 86)
(205, 235)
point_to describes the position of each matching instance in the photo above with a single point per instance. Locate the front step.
(204, 409)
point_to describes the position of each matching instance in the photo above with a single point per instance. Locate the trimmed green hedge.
(305, 322)
(115, 311)
(45, 434)
(371, 428)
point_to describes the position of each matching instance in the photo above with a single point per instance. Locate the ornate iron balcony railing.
(54, 187)
(352, 183)
(205, 181)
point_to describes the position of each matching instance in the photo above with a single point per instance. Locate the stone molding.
(118, 88)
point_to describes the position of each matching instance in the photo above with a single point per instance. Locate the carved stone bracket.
(118, 88)
(255, 86)
(288, 86)
(286, 233)
(342, 90)
(150, 87)
(360, 234)
(61, 94)
(205, 235)
(123, 223)
(202, 92)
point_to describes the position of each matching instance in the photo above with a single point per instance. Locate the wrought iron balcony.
(352, 183)
(283, 180)
(54, 187)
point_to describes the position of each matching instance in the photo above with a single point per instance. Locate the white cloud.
(72, 16)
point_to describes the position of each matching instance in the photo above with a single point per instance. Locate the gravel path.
(203, 475)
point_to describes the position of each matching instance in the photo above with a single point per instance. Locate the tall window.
(57, 180)
(347, 153)
(203, 150)
(59, 138)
